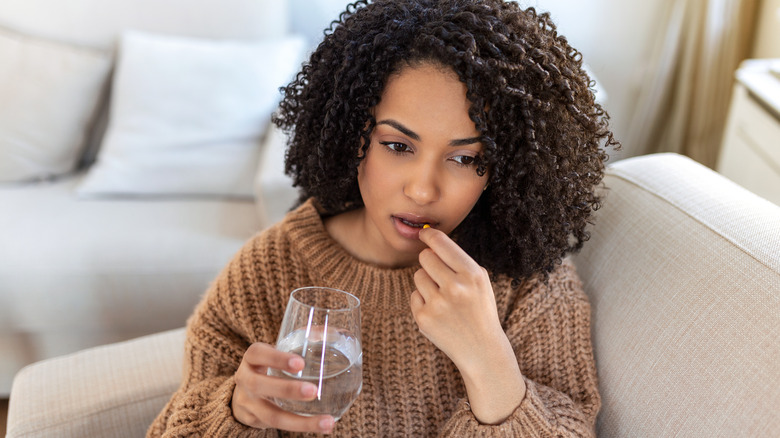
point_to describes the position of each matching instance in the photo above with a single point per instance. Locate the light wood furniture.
(750, 152)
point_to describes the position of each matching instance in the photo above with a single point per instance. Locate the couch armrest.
(683, 273)
(114, 390)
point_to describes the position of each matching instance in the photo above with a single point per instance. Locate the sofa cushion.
(98, 24)
(118, 269)
(274, 191)
(187, 115)
(49, 95)
(683, 272)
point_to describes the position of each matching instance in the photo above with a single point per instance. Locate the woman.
(447, 154)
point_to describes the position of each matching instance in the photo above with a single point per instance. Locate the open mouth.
(409, 226)
(413, 224)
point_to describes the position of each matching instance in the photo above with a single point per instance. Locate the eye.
(396, 147)
(464, 160)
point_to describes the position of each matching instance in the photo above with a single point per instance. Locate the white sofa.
(83, 268)
(683, 273)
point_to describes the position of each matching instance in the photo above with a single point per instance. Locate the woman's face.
(420, 166)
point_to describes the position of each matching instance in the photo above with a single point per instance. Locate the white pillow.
(187, 115)
(49, 93)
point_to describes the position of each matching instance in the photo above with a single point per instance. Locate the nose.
(423, 184)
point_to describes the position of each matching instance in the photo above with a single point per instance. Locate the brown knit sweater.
(410, 388)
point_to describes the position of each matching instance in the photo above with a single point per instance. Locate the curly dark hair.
(543, 133)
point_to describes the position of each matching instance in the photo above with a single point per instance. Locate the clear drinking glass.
(322, 325)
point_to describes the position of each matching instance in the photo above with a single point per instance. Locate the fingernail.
(326, 424)
(293, 363)
(308, 390)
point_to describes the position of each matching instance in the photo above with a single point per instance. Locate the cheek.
(376, 176)
(362, 183)
(467, 196)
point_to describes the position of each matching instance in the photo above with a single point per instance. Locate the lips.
(409, 225)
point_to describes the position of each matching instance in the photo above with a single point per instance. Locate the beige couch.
(683, 271)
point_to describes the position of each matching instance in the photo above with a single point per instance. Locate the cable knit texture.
(410, 388)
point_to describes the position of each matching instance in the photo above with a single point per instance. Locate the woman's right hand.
(252, 403)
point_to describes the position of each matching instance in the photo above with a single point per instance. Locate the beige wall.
(767, 40)
(616, 38)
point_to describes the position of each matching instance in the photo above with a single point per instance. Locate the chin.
(406, 249)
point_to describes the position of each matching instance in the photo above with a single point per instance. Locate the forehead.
(425, 93)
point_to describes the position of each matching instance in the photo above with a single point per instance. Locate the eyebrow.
(414, 136)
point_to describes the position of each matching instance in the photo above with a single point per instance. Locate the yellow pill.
(426, 226)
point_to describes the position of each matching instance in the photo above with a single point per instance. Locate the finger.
(262, 355)
(426, 286)
(416, 301)
(263, 386)
(450, 253)
(275, 417)
(433, 265)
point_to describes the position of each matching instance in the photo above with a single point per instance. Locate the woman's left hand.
(455, 308)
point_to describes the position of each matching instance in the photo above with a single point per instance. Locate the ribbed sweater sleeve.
(218, 334)
(550, 334)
